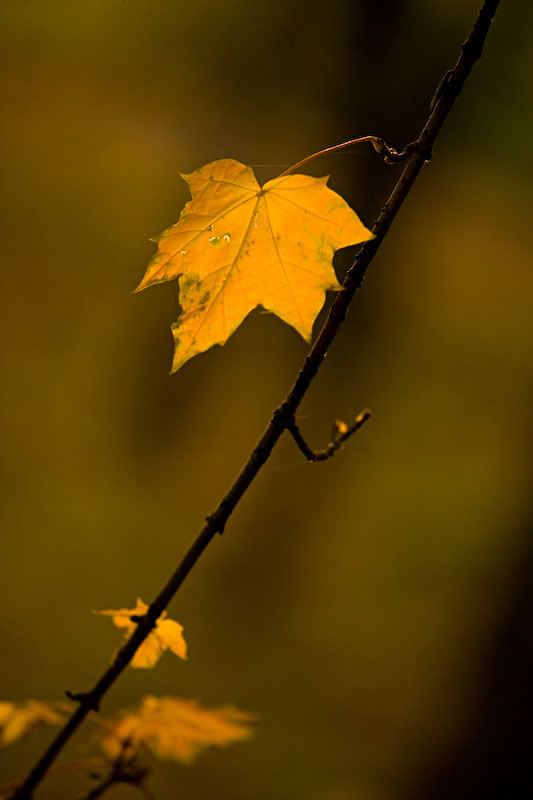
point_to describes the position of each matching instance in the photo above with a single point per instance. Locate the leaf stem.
(391, 156)
(447, 92)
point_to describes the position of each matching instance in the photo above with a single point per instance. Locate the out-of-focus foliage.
(237, 246)
(352, 604)
(173, 728)
(167, 634)
(18, 719)
(167, 727)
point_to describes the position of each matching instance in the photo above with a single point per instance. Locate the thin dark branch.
(341, 432)
(443, 100)
(114, 780)
(124, 770)
(88, 765)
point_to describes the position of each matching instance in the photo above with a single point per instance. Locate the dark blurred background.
(374, 611)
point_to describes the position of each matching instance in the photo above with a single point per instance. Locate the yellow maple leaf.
(238, 245)
(167, 634)
(174, 728)
(17, 719)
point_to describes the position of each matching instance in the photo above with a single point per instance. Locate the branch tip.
(363, 416)
(340, 433)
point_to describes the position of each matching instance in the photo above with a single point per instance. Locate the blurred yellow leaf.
(17, 719)
(237, 245)
(167, 635)
(174, 728)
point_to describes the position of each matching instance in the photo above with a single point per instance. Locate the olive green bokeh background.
(352, 605)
